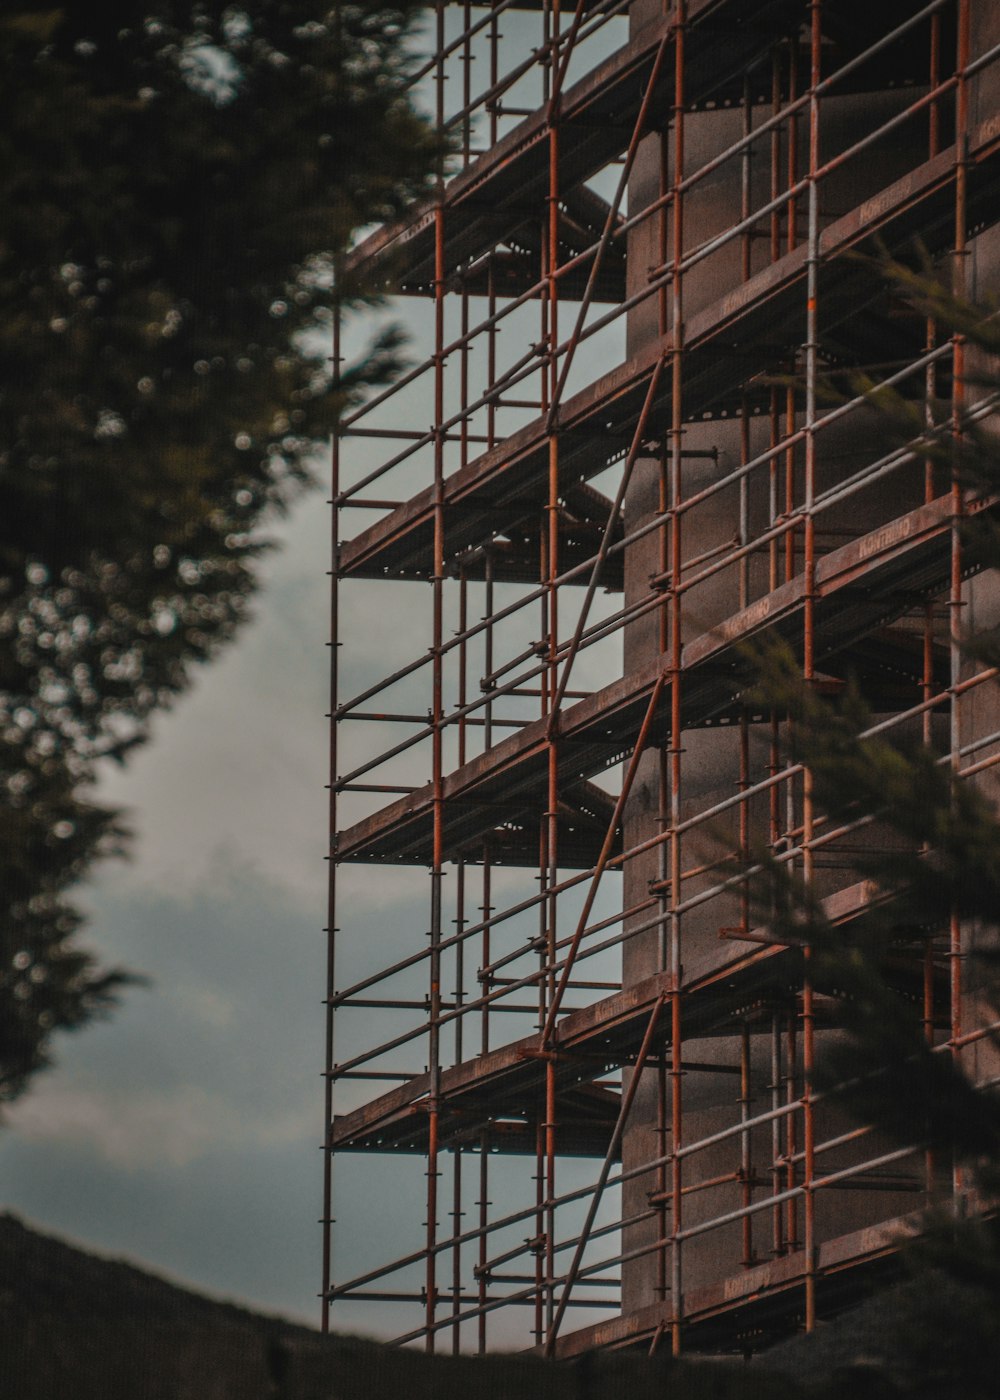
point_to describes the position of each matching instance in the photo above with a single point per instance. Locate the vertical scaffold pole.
(331, 897)
(928, 678)
(551, 683)
(808, 664)
(676, 485)
(791, 242)
(437, 720)
(663, 617)
(955, 600)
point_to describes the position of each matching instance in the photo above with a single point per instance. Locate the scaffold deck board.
(507, 1086)
(729, 347)
(506, 187)
(744, 1310)
(499, 795)
(502, 1093)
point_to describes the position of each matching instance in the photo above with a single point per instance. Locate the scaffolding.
(639, 276)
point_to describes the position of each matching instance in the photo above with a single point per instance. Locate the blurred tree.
(940, 862)
(179, 178)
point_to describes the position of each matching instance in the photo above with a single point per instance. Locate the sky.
(183, 1132)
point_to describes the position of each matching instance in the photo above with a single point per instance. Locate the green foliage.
(180, 179)
(942, 856)
(48, 840)
(936, 859)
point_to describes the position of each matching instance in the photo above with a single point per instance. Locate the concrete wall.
(710, 766)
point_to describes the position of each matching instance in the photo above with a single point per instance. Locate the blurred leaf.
(180, 180)
(937, 857)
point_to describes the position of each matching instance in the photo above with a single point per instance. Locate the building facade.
(636, 447)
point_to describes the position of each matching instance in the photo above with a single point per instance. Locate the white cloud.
(134, 1131)
(212, 1008)
(239, 764)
